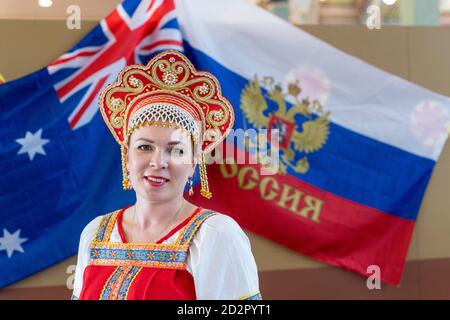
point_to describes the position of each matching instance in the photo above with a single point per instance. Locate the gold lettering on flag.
(270, 189)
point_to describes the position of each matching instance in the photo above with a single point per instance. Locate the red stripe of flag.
(346, 234)
(81, 54)
(88, 101)
(161, 42)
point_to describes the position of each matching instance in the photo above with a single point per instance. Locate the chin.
(157, 195)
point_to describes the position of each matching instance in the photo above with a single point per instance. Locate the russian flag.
(356, 204)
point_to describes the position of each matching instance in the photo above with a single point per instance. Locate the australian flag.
(60, 166)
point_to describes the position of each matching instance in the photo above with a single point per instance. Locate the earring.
(126, 182)
(204, 191)
(191, 189)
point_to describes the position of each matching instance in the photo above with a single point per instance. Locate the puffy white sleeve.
(86, 238)
(221, 261)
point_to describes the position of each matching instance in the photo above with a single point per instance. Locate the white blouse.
(219, 258)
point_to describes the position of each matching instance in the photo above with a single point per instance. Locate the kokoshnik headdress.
(168, 92)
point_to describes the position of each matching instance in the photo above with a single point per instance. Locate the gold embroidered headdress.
(169, 92)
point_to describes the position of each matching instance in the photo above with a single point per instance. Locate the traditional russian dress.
(207, 256)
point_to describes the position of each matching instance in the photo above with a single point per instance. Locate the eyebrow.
(151, 141)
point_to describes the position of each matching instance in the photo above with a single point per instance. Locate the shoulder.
(221, 261)
(90, 230)
(221, 225)
(222, 222)
(92, 226)
(86, 238)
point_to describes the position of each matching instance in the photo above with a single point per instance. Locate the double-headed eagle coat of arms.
(296, 144)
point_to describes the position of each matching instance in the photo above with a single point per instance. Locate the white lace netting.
(165, 113)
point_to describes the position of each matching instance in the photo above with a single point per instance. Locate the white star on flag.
(11, 242)
(32, 144)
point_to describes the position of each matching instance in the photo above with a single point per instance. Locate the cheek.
(137, 162)
(180, 172)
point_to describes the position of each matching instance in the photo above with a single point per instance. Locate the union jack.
(131, 34)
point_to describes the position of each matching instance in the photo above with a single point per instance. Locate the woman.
(166, 116)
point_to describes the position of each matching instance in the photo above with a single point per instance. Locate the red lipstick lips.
(156, 181)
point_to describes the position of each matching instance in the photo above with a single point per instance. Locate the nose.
(158, 160)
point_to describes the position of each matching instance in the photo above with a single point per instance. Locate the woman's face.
(159, 162)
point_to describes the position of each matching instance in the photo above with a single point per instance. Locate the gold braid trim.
(131, 282)
(160, 124)
(106, 283)
(125, 181)
(204, 191)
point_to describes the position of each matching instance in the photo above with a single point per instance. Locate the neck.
(150, 213)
